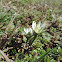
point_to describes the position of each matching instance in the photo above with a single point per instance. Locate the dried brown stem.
(8, 26)
(5, 56)
(8, 49)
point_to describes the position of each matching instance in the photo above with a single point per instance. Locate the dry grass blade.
(7, 59)
(3, 39)
(8, 26)
(8, 49)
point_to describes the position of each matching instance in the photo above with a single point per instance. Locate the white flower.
(27, 30)
(35, 27)
(38, 27)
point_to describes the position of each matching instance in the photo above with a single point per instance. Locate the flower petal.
(26, 30)
(39, 24)
(31, 31)
(43, 25)
(33, 25)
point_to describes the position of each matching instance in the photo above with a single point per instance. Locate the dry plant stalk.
(8, 26)
(5, 56)
(8, 49)
(5, 38)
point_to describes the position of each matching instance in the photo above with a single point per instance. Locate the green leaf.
(2, 61)
(31, 39)
(18, 60)
(24, 39)
(53, 60)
